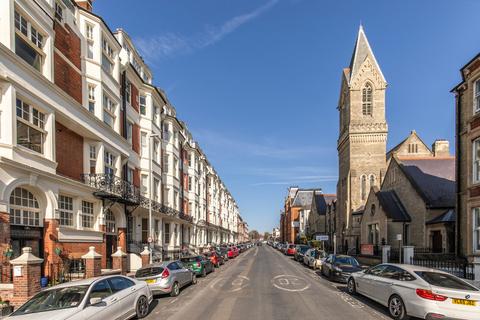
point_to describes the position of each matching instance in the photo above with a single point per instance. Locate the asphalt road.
(262, 283)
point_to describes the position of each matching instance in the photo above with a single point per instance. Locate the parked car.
(340, 267)
(300, 252)
(223, 251)
(408, 290)
(313, 258)
(215, 258)
(199, 264)
(108, 297)
(167, 277)
(232, 252)
(290, 250)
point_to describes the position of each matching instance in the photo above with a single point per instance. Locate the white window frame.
(476, 229)
(59, 11)
(110, 222)
(130, 132)
(109, 108)
(109, 163)
(91, 97)
(30, 35)
(109, 54)
(92, 155)
(24, 211)
(142, 101)
(476, 96)
(476, 161)
(31, 117)
(88, 215)
(65, 211)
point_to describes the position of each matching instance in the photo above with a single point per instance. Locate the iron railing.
(461, 269)
(112, 185)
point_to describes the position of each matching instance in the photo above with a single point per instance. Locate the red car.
(291, 250)
(232, 252)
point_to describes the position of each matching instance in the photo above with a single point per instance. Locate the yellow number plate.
(150, 281)
(465, 302)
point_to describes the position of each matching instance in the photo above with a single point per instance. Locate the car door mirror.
(97, 301)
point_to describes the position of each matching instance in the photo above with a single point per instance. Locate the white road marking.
(173, 301)
(289, 282)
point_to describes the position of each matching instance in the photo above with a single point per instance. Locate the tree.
(254, 235)
(266, 235)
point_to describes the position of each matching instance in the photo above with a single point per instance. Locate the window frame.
(88, 215)
(41, 120)
(476, 161)
(367, 99)
(109, 107)
(476, 96)
(109, 160)
(66, 211)
(29, 212)
(27, 37)
(91, 97)
(476, 229)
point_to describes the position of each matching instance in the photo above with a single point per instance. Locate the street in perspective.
(254, 159)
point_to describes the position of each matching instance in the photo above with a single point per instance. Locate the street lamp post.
(150, 178)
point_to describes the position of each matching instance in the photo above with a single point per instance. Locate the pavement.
(262, 283)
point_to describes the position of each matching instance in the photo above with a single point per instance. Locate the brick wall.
(66, 76)
(4, 240)
(69, 152)
(136, 177)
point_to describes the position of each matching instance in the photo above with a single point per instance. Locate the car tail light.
(165, 274)
(429, 295)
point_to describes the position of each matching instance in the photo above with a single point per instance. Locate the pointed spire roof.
(361, 51)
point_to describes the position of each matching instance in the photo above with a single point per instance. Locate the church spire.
(362, 51)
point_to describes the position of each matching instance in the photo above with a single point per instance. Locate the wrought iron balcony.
(112, 187)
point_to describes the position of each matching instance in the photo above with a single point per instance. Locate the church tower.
(362, 139)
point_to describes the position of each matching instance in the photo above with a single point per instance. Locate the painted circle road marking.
(290, 283)
(239, 283)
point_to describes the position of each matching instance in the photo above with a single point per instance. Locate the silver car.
(166, 277)
(109, 297)
(409, 290)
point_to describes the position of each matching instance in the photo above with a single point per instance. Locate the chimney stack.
(441, 148)
(85, 4)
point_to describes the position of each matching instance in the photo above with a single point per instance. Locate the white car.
(109, 297)
(409, 290)
(313, 258)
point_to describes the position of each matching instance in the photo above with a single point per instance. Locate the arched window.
(372, 180)
(110, 222)
(367, 99)
(363, 187)
(24, 209)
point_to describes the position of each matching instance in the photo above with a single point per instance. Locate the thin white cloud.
(168, 44)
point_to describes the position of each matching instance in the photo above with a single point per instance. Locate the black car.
(300, 252)
(340, 267)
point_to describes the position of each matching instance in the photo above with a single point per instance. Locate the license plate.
(150, 281)
(470, 303)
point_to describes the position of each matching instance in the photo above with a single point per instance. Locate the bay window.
(30, 126)
(107, 57)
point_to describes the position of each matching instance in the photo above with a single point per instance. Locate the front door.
(144, 230)
(437, 242)
(111, 246)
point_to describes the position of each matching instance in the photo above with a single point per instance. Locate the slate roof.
(446, 217)
(321, 202)
(433, 178)
(392, 206)
(303, 198)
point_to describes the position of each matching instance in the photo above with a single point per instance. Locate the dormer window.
(367, 100)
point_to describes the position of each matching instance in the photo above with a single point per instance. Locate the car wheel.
(204, 272)
(142, 307)
(194, 278)
(396, 308)
(175, 290)
(352, 289)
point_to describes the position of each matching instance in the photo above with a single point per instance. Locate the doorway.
(144, 230)
(437, 241)
(111, 245)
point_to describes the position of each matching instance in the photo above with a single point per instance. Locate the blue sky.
(257, 81)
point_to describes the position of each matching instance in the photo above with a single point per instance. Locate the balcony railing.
(113, 187)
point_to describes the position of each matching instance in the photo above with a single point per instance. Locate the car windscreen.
(444, 280)
(291, 246)
(148, 272)
(303, 249)
(346, 260)
(54, 299)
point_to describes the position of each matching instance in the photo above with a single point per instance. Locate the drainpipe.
(458, 240)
